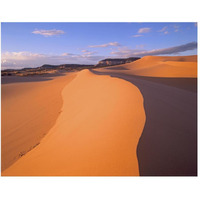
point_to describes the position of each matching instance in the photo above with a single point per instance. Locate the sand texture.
(168, 145)
(29, 110)
(138, 118)
(97, 132)
(159, 66)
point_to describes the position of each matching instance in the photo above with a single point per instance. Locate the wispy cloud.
(140, 46)
(86, 52)
(164, 30)
(105, 45)
(144, 30)
(28, 59)
(176, 28)
(22, 55)
(137, 36)
(164, 51)
(48, 33)
(67, 54)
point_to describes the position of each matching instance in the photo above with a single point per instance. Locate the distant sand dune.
(160, 66)
(96, 133)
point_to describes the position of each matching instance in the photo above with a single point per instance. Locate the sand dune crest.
(159, 66)
(96, 133)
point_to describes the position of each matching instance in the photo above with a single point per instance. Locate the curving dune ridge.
(159, 66)
(96, 133)
(102, 128)
(168, 145)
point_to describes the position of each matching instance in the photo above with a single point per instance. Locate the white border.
(99, 187)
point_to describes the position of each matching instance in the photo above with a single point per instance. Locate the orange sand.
(29, 110)
(168, 144)
(102, 120)
(159, 66)
(96, 133)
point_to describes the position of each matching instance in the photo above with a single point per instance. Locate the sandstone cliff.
(117, 61)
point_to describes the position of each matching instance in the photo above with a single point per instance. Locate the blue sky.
(35, 44)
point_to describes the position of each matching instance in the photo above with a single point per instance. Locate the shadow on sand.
(168, 145)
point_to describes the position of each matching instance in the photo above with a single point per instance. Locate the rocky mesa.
(115, 61)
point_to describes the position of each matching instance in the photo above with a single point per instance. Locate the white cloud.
(23, 55)
(144, 30)
(137, 35)
(105, 45)
(28, 59)
(48, 33)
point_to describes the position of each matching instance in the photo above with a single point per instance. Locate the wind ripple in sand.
(96, 134)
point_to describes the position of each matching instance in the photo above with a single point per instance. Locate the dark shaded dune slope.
(168, 145)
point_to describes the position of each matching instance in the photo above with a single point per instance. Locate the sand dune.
(29, 110)
(168, 144)
(159, 66)
(96, 133)
(102, 127)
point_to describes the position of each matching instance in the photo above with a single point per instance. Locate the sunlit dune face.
(160, 66)
(29, 110)
(96, 133)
